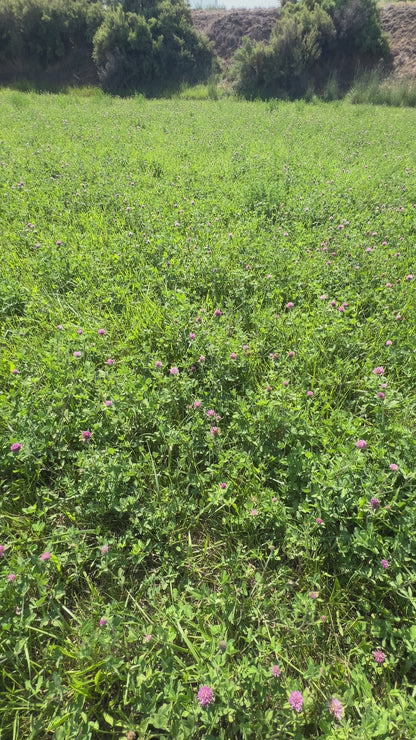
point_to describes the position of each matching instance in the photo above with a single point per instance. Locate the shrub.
(142, 48)
(311, 42)
(45, 31)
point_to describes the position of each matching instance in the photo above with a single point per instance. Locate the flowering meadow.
(207, 437)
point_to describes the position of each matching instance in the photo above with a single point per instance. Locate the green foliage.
(311, 41)
(154, 48)
(358, 28)
(124, 51)
(44, 31)
(372, 90)
(136, 46)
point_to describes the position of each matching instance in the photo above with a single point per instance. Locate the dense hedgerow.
(150, 46)
(132, 46)
(312, 44)
(43, 32)
(207, 448)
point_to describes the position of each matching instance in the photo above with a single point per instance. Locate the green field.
(207, 419)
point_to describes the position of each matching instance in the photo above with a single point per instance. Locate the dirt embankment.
(226, 29)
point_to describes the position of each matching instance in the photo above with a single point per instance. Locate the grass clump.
(207, 438)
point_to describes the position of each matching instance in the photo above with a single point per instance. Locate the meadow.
(207, 419)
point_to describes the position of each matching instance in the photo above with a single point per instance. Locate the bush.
(45, 31)
(154, 48)
(137, 46)
(311, 42)
(124, 51)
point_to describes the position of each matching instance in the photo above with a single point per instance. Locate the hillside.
(226, 29)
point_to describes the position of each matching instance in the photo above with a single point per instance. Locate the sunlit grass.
(205, 306)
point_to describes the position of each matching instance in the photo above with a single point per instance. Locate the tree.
(149, 46)
(311, 41)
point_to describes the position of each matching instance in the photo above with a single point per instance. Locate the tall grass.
(372, 89)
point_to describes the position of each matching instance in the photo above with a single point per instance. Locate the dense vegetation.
(207, 445)
(153, 47)
(315, 47)
(146, 46)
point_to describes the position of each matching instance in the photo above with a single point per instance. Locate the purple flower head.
(158, 363)
(319, 520)
(110, 361)
(361, 444)
(296, 701)
(233, 356)
(2, 549)
(217, 312)
(378, 370)
(393, 466)
(11, 577)
(210, 412)
(202, 359)
(108, 403)
(192, 335)
(16, 446)
(86, 436)
(374, 504)
(147, 638)
(381, 395)
(174, 371)
(335, 708)
(60, 327)
(389, 343)
(15, 371)
(104, 550)
(291, 353)
(205, 696)
(223, 486)
(77, 353)
(286, 383)
(101, 332)
(254, 512)
(275, 671)
(409, 277)
(103, 621)
(290, 304)
(214, 431)
(45, 556)
(309, 393)
(313, 595)
(379, 656)
(79, 331)
(323, 297)
(384, 563)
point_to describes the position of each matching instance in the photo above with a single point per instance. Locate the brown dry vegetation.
(399, 22)
(226, 28)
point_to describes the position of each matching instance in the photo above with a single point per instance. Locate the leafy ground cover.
(207, 419)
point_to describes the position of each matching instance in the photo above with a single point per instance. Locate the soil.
(226, 28)
(399, 22)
